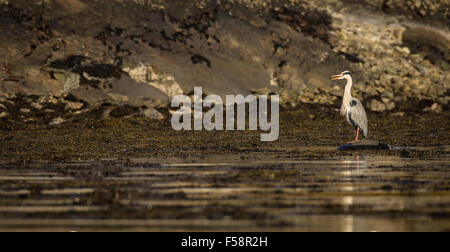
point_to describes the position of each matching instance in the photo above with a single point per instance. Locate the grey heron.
(352, 108)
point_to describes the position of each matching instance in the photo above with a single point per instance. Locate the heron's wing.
(357, 115)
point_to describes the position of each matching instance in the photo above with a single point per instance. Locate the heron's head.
(343, 75)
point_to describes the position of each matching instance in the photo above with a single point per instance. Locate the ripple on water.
(351, 193)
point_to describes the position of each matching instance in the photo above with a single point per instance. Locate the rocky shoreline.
(86, 55)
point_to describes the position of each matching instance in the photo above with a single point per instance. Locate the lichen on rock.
(162, 81)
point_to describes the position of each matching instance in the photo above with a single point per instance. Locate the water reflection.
(352, 193)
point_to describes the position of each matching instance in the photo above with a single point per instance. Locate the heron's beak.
(337, 77)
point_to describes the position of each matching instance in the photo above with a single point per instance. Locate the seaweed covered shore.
(90, 136)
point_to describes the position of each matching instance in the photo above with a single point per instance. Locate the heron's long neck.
(348, 91)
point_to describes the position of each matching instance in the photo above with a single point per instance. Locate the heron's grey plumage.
(357, 117)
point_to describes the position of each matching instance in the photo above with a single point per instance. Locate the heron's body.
(353, 109)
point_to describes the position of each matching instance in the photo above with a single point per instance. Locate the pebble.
(390, 106)
(36, 106)
(52, 100)
(153, 114)
(399, 114)
(436, 108)
(57, 121)
(377, 106)
(25, 110)
(385, 100)
(74, 105)
(3, 114)
(107, 112)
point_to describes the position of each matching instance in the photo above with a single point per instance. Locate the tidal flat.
(135, 174)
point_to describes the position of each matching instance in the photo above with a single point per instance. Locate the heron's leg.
(357, 134)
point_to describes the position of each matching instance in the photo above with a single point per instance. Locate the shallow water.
(355, 192)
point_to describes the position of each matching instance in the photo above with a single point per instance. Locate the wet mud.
(140, 175)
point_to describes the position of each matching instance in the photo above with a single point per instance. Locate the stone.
(25, 110)
(3, 114)
(399, 114)
(74, 105)
(57, 121)
(11, 102)
(390, 106)
(52, 100)
(436, 108)
(107, 112)
(385, 100)
(153, 114)
(364, 145)
(3, 107)
(36, 106)
(377, 106)
(162, 81)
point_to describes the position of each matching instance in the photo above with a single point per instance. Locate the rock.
(27, 100)
(57, 121)
(11, 102)
(130, 90)
(444, 100)
(377, 106)
(74, 105)
(36, 106)
(107, 112)
(25, 110)
(52, 100)
(131, 116)
(337, 91)
(398, 99)
(390, 106)
(398, 114)
(118, 52)
(436, 108)
(164, 81)
(364, 145)
(49, 111)
(3, 114)
(71, 82)
(385, 100)
(3, 107)
(153, 114)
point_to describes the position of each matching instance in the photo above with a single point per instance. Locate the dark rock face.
(145, 52)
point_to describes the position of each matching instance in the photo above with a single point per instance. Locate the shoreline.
(84, 137)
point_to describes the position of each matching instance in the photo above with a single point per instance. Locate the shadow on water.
(355, 192)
